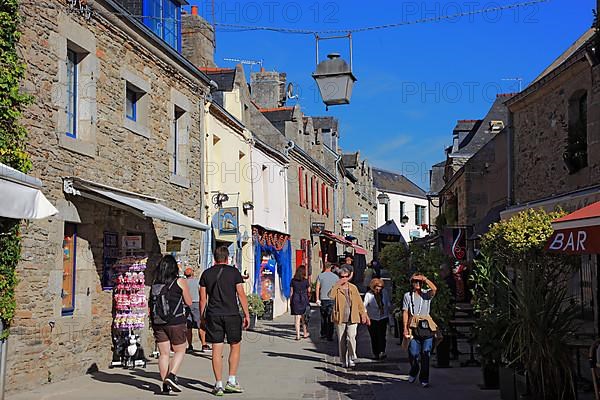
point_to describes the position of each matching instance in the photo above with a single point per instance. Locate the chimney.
(268, 88)
(197, 40)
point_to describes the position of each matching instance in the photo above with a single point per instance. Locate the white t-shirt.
(373, 309)
(418, 305)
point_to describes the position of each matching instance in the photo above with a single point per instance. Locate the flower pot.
(491, 376)
(442, 352)
(507, 383)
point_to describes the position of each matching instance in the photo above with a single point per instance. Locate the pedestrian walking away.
(325, 282)
(193, 313)
(168, 298)
(299, 300)
(348, 312)
(419, 327)
(378, 307)
(221, 286)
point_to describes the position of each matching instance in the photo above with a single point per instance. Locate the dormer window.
(163, 17)
(496, 126)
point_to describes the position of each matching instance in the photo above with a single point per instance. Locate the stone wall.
(540, 122)
(44, 345)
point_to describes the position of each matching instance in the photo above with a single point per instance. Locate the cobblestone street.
(275, 366)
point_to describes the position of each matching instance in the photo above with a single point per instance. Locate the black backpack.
(161, 311)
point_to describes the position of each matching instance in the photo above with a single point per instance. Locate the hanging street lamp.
(334, 76)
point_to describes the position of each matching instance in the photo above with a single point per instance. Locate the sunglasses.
(344, 276)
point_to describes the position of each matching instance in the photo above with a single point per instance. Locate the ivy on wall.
(12, 148)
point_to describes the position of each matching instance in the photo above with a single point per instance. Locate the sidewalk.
(275, 366)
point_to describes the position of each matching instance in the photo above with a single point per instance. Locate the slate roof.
(566, 54)
(350, 160)
(393, 182)
(224, 77)
(472, 142)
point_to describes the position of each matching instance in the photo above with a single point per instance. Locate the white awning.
(137, 203)
(20, 196)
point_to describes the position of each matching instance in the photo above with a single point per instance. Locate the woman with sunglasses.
(348, 312)
(378, 308)
(419, 327)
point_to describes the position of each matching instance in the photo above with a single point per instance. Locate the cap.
(188, 272)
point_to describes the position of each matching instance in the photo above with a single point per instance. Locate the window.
(419, 215)
(323, 200)
(176, 153)
(575, 155)
(69, 263)
(317, 196)
(327, 201)
(301, 186)
(402, 210)
(163, 17)
(131, 99)
(72, 88)
(312, 193)
(137, 103)
(306, 190)
(386, 212)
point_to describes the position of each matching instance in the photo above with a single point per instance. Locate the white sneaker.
(411, 379)
(351, 363)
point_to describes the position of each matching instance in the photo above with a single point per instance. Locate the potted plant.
(256, 308)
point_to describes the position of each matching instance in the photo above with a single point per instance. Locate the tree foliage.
(13, 137)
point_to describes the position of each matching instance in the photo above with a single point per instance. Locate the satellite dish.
(290, 91)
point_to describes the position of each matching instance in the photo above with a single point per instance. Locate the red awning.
(578, 232)
(340, 239)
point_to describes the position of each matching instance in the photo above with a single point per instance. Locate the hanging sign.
(347, 224)
(132, 242)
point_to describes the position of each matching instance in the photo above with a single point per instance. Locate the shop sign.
(584, 240)
(174, 245)
(364, 219)
(228, 220)
(316, 228)
(132, 242)
(414, 233)
(347, 224)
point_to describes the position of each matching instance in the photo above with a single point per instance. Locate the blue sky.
(414, 81)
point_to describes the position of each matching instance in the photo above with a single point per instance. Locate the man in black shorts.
(221, 286)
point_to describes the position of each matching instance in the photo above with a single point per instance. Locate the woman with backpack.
(168, 297)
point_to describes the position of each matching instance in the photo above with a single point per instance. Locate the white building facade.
(407, 205)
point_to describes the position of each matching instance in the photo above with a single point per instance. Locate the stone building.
(115, 133)
(358, 201)
(556, 134)
(555, 153)
(473, 190)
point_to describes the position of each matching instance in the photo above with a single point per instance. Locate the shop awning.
(145, 206)
(578, 232)
(21, 197)
(342, 240)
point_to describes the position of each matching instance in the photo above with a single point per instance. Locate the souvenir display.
(130, 308)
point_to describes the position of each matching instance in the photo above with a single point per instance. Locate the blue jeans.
(419, 351)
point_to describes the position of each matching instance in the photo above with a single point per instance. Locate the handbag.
(422, 330)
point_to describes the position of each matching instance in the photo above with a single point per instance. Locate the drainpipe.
(335, 187)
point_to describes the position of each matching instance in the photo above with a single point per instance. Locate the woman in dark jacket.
(173, 334)
(299, 299)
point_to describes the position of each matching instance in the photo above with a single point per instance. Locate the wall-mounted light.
(219, 198)
(404, 219)
(247, 206)
(383, 198)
